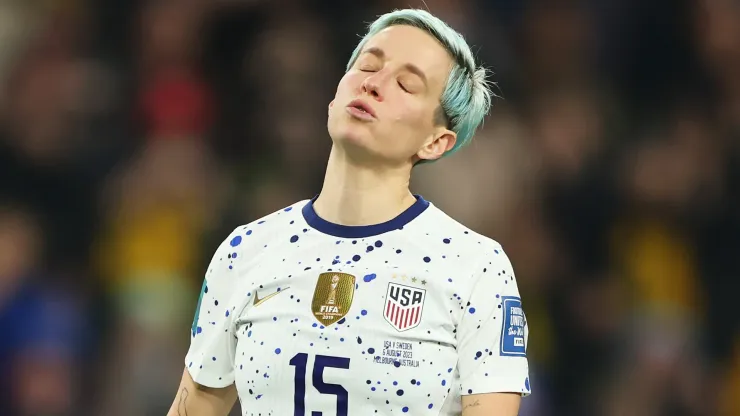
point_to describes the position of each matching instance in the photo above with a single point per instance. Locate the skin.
(193, 399)
(401, 73)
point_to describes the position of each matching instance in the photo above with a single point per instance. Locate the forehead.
(411, 45)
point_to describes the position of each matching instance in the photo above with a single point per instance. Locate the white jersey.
(307, 316)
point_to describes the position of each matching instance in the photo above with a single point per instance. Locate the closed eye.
(403, 88)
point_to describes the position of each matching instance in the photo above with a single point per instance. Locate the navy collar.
(362, 231)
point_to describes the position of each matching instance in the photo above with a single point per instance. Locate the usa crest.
(403, 306)
(332, 297)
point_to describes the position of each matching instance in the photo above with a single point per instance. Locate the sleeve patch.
(512, 330)
(204, 289)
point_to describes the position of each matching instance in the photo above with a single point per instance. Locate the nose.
(371, 86)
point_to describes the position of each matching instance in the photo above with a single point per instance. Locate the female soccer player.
(368, 299)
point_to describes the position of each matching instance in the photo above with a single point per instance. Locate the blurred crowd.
(134, 135)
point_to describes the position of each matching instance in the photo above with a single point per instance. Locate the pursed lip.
(362, 105)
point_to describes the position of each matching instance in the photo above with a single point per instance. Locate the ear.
(443, 140)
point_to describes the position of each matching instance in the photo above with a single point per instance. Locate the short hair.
(466, 98)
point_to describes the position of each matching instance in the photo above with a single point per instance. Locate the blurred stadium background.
(135, 135)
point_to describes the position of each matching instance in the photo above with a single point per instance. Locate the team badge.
(332, 297)
(403, 306)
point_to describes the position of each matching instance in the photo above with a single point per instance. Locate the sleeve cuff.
(203, 376)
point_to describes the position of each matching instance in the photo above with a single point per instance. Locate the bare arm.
(491, 404)
(195, 400)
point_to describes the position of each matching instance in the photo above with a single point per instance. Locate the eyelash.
(399, 83)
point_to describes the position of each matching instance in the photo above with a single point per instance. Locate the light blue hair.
(466, 98)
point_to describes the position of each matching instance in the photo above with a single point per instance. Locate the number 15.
(300, 362)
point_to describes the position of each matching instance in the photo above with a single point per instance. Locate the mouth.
(361, 109)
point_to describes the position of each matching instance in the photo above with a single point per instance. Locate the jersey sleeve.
(210, 359)
(492, 335)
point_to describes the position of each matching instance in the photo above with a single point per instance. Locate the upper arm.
(491, 404)
(212, 337)
(207, 385)
(493, 332)
(194, 399)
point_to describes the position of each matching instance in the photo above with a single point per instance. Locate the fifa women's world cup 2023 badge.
(332, 297)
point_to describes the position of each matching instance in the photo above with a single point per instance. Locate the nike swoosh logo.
(258, 301)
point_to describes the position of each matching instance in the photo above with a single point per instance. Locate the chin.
(348, 134)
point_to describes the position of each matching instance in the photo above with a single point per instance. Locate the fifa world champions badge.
(332, 297)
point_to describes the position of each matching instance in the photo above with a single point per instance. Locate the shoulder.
(241, 249)
(250, 236)
(439, 223)
(268, 224)
(271, 219)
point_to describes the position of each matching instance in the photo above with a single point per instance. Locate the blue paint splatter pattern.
(257, 326)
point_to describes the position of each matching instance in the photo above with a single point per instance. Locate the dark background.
(134, 135)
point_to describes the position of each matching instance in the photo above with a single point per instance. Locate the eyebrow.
(407, 66)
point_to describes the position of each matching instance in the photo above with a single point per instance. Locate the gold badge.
(332, 297)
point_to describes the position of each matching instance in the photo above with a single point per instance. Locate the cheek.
(404, 131)
(414, 123)
(413, 116)
(347, 85)
(341, 95)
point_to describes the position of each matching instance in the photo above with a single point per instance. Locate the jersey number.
(300, 361)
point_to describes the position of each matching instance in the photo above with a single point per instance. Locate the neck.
(355, 194)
